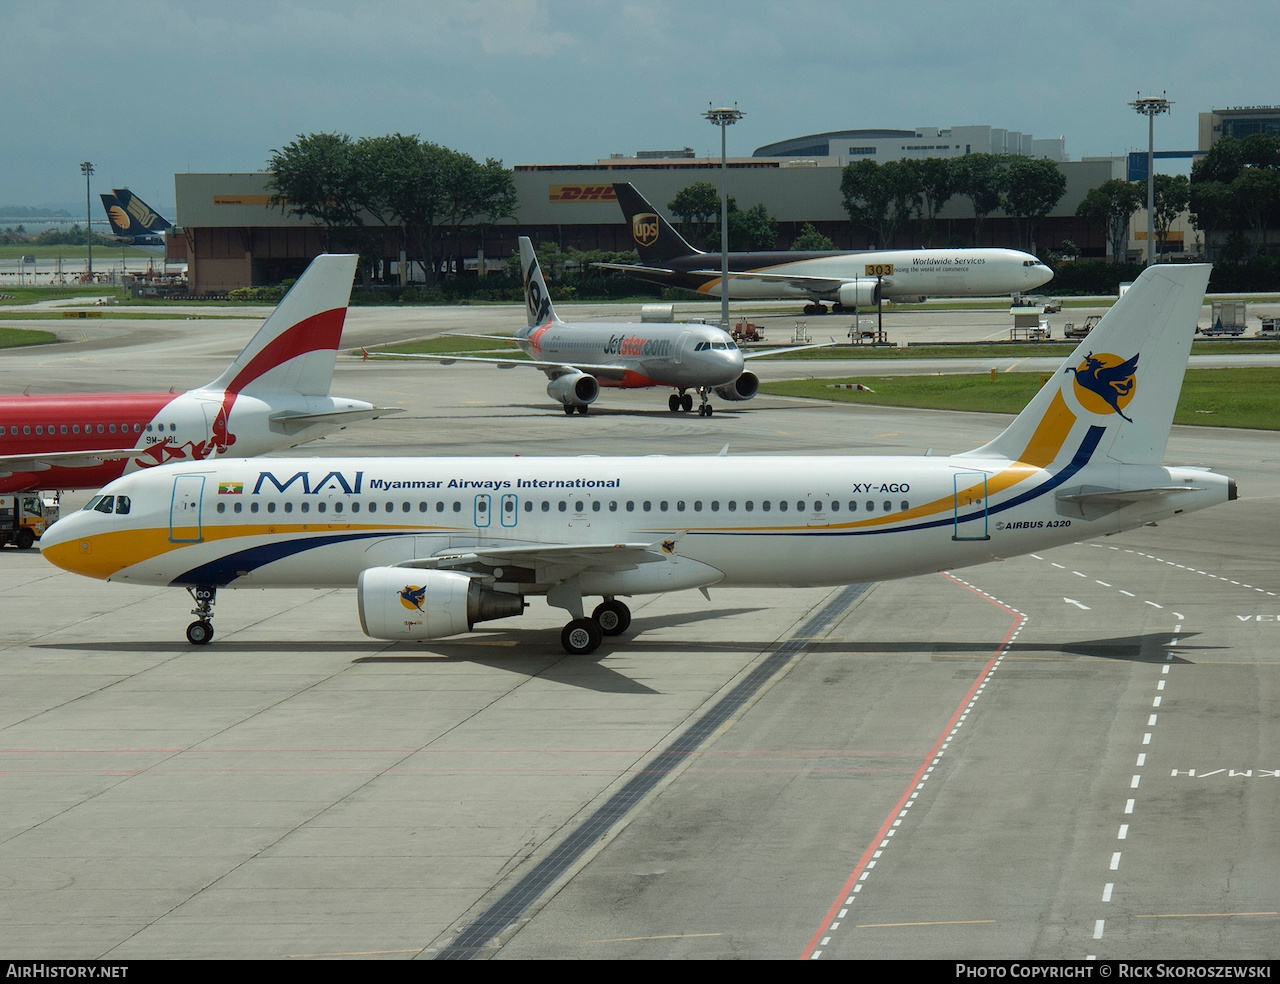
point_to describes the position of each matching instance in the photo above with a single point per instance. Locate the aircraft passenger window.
(222, 507)
(697, 505)
(355, 507)
(288, 507)
(39, 429)
(107, 504)
(26, 429)
(835, 506)
(631, 506)
(546, 507)
(905, 505)
(733, 506)
(111, 428)
(577, 506)
(481, 506)
(439, 507)
(766, 505)
(148, 428)
(853, 506)
(564, 506)
(595, 506)
(749, 505)
(782, 505)
(337, 507)
(404, 507)
(528, 506)
(800, 506)
(305, 507)
(101, 429)
(62, 429)
(137, 428)
(92, 503)
(238, 507)
(508, 506)
(320, 507)
(271, 507)
(871, 506)
(422, 507)
(613, 507)
(647, 505)
(888, 506)
(1, 430)
(663, 505)
(75, 429)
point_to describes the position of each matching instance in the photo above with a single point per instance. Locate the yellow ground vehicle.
(23, 519)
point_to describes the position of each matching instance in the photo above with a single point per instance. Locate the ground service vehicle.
(22, 520)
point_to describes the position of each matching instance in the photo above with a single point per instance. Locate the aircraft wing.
(789, 348)
(637, 268)
(545, 563)
(291, 422)
(38, 462)
(552, 369)
(798, 280)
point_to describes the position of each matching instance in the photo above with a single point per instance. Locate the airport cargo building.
(236, 238)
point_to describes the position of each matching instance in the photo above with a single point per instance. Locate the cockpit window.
(106, 504)
(92, 503)
(122, 505)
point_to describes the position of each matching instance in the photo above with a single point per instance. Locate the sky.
(148, 88)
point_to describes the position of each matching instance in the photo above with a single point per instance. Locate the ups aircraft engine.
(402, 603)
(743, 388)
(860, 293)
(574, 389)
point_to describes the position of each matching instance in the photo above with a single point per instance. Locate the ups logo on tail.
(644, 228)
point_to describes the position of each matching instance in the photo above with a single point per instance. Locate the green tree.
(936, 179)
(1257, 195)
(811, 240)
(317, 177)
(698, 207)
(1172, 195)
(983, 178)
(879, 197)
(1111, 205)
(1035, 186)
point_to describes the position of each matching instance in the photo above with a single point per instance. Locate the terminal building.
(234, 237)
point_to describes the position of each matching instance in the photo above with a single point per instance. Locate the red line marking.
(861, 866)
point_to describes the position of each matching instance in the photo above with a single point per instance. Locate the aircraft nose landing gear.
(200, 632)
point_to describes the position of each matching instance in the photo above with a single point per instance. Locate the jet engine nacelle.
(859, 293)
(405, 603)
(574, 389)
(743, 388)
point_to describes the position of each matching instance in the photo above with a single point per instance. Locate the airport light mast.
(724, 117)
(86, 168)
(1151, 107)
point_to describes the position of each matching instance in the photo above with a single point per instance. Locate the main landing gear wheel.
(673, 403)
(582, 410)
(199, 633)
(686, 402)
(613, 617)
(581, 637)
(568, 409)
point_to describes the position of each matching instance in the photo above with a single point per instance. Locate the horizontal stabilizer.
(293, 422)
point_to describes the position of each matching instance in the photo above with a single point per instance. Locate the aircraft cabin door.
(482, 509)
(970, 501)
(680, 344)
(510, 510)
(184, 509)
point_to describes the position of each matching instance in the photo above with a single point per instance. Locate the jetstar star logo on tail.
(1105, 383)
(644, 228)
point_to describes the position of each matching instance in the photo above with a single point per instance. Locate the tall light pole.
(86, 168)
(724, 117)
(1151, 107)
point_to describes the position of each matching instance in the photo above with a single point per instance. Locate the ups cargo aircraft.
(134, 222)
(433, 546)
(580, 358)
(847, 279)
(273, 396)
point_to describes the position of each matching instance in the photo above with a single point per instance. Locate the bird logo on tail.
(1105, 383)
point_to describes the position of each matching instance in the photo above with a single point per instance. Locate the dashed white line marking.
(1146, 739)
(1155, 702)
(1097, 929)
(1124, 832)
(1152, 604)
(1128, 807)
(1106, 891)
(1133, 784)
(1142, 758)
(1129, 593)
(1115, 861)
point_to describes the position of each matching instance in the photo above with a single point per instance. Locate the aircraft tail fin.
(655, 239)
(537, 299)
(117, 217)
(1115, 396)
(295, 349)
(142, 215)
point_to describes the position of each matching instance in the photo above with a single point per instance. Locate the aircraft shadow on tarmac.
(1150, 647)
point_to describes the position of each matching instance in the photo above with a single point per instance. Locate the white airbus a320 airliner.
(433, 546)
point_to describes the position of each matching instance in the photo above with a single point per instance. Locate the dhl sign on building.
(581, 193)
